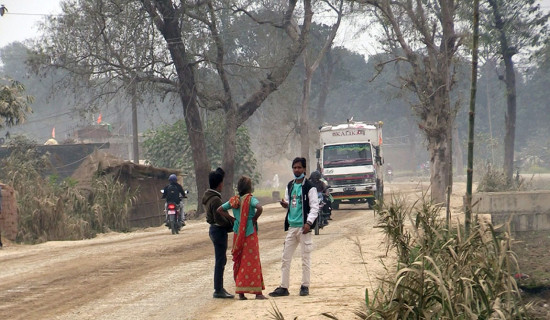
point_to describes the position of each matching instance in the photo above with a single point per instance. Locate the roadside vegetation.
(442, 273)
(53, 209)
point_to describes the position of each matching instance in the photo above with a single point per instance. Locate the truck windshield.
(343, 155)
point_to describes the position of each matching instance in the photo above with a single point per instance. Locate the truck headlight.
(370, 178)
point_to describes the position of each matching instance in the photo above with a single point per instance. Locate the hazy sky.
(19, 23)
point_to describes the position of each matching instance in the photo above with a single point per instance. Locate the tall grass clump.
(440, 273)
(493, 180)
(49, 209)
(110, 203)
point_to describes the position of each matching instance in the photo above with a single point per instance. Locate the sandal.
(242, 297)
(260, 297)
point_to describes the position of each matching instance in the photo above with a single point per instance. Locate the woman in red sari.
(247, 268)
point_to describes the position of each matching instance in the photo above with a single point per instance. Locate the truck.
(350, 159)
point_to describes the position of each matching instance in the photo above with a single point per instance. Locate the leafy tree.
(14, 104)
(168, 146)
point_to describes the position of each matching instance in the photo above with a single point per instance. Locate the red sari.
(247, 269)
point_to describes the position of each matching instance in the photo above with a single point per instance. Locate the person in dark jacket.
(302, 206)
(219, 228)
(174, 192)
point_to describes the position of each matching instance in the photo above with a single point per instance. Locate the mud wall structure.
(528, 210)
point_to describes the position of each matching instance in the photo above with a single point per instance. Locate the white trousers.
(294, 237)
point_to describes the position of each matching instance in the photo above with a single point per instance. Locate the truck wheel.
(317, 226)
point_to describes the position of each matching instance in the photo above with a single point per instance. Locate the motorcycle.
(389, 175)
(174, 220)
(325, 211)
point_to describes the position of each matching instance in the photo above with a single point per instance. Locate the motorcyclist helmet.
(315, 175)
(173, 178)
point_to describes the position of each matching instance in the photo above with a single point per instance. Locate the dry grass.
(49, 209)
(443, 274)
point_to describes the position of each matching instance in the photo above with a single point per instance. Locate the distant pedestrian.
(275, 183)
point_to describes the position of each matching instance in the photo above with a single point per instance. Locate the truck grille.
(343, 182)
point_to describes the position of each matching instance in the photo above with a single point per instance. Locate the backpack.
(172, 193)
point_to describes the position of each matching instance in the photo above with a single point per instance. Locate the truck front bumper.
(355, 192)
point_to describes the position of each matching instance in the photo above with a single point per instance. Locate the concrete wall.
(8, 213)
(530, 210)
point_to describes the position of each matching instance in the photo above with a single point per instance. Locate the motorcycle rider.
(319, 183)
(174, 192)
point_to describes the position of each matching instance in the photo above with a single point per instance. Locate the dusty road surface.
(151, 274)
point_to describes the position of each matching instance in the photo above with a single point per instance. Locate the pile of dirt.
(94, 163)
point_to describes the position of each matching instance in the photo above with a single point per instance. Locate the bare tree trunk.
(510, 80)
(473, 91)
(304, 115)
(309, 70)
(489, 114)
(440, 153)
(326, 75)
(135, 139)
(458, 154)
(229, 151)
(412, 125)
(166, 20)
(510, 118)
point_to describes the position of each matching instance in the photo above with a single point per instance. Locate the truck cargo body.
(350, 159)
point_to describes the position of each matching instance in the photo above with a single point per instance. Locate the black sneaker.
(279, 292)
(304, 291)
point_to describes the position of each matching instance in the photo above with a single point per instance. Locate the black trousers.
(218, 235)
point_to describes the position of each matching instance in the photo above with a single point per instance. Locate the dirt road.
(151, 274)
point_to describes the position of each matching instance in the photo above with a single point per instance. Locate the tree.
(210, 16)
(106, 46)
(425, 34)
(311, 63)
(14, 104)
(193, 43)
(518, 25)
(168, 147)
(471, 121)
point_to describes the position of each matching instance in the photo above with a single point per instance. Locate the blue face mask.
(300, 176)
